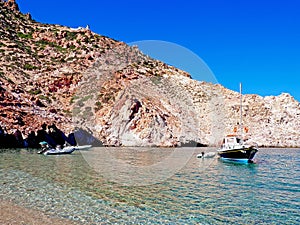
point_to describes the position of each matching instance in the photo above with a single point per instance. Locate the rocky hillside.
(270, 121)
(40, 66)
(76, 78)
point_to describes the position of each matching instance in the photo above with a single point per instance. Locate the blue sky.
(253, 42)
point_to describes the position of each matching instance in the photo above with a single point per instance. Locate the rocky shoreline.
(75, 78)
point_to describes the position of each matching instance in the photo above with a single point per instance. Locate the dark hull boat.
(242, 155)
(233, 147)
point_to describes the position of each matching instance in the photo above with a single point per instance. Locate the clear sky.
(256, 42)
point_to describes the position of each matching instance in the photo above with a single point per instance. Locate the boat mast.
(241, 111)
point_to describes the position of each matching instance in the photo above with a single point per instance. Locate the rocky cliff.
(40, 66)
(76, 78)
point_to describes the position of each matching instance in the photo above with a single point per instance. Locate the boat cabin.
(231, 142)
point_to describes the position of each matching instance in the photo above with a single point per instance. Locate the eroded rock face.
(76, 78)
(11, 4)
(136, 101)
(174, 109)
(40, 67)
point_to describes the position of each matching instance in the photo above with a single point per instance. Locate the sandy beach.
(12, 214)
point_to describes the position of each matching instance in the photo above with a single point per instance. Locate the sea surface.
(154, 186)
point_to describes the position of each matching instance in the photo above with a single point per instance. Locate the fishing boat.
(233, 147)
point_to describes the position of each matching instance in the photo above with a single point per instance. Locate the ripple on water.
(204, 191)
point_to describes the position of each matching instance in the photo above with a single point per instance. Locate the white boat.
(233, 147)
(206, 155)
(57, 151)
(82, 147)
(47, 150)
(78, 147)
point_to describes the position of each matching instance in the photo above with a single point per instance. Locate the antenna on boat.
(241, 111)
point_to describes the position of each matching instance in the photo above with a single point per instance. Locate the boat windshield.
(231, 140)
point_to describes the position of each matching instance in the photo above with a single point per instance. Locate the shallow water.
(155, 186)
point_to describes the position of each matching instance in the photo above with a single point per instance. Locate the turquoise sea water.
(83, 187)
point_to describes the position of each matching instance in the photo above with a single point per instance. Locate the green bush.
(43, 97)
(73, 99)
(98, 106)
(25, 36)
(35, 92)
(72, 47)
(71, 35)
(28, 66)
(59, 48)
